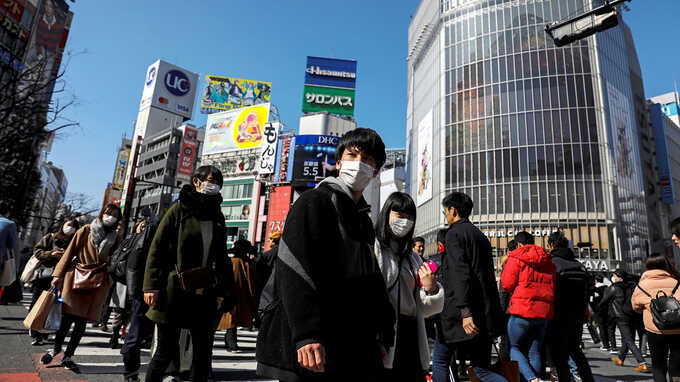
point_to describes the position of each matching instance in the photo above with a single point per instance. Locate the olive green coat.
(178, 243)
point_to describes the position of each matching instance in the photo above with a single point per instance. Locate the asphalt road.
(19, 361)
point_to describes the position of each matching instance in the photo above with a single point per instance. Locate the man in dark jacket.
(616, 296)
(472, 314)
(571, 301)
(332, 315)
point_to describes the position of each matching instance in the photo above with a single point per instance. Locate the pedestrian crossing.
(95, 357)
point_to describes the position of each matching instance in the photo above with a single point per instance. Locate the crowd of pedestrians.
(339, 298)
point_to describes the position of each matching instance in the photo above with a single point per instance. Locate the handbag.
(28, 274)
(89, 276)
(43, 272)
(8, 272)
(665, 309)
(194, 278)
(35, 320)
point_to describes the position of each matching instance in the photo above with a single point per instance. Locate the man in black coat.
(472, 315)
(331, 314)
(571, 302)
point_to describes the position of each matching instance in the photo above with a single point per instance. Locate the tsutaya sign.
(513, 232)
(595, 265)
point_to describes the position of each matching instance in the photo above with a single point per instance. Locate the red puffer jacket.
(529, 275)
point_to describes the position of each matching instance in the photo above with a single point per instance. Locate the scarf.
(204, 207)
(101, 237)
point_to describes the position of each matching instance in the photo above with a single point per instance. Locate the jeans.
(479, 351)
(665, 352)
(628, 339)
(76, 335)
(441, 360)
(565, 347)
(526, 339)
(168, 349)
(134, 337)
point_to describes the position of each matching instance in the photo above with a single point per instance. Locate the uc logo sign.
(150, 76)
(177, 83)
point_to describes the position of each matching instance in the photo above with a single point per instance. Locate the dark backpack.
(627, 304)
(117, 265)
(665, 309)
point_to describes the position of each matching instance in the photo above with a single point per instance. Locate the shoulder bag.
(89, 276)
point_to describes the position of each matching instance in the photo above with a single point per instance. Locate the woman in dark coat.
(188, 277)
(49, 250)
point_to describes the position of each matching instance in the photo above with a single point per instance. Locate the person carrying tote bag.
(86, 255)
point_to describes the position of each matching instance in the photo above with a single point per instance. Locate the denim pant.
(134, 337)
(479, 349)
(526, 339)
(441, 359)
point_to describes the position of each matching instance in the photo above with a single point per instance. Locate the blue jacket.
(8, 237)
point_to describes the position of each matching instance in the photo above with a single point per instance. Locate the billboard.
(424, 192)
(280, 198)
(235, 129)
(170, 88)
(121, 168)
(282, 172)
(661, 145)
(226, 93)
(268, 153)
(332, 100)
(331, 72)
(188, 152)
(314, 157)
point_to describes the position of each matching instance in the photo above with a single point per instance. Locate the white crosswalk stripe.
(94, 356)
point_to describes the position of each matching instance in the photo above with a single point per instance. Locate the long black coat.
(469, 282)
(571, 287)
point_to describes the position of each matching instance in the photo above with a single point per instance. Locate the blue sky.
(268, 41)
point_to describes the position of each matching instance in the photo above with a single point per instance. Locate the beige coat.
(652, 282)
(86, 304)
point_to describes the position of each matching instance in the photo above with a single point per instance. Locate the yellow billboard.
(226, 93)
(237, 129)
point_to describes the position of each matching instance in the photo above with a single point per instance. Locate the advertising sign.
(282, 171)
(268, 153)
(619, 114)
(314, 158)
(170, 88)
(226, 93)
(424, 192)
(121, 167)
(332, 100)
(331, 72)
(279, 205)
(236, 129)
(665, 179)
(188, 152)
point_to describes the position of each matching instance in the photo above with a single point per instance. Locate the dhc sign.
(177, 83)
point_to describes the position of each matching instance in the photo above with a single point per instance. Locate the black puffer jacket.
(136, 263)
(614, 298)
(328, 290)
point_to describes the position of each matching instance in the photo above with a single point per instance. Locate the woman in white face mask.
(48, 251)
(81, 277)
(412, 287)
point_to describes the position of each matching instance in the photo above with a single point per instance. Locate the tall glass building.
(542, 138)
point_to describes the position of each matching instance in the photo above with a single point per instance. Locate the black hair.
(558, 240)
(398, 202)
(461, 202)
(599, 278)
(620, 273)
(417, 239)
(74, 222)
(675, 226)
(4, 208)
(512, 245)
(203, 172)
(524, 238)
(441, 235)
(367, 141)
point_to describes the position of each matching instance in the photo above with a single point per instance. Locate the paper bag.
(38, 314)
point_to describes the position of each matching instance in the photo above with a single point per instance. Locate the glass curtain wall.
(521, 126)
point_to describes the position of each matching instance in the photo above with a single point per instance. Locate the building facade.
(542, 138)
(48, 209)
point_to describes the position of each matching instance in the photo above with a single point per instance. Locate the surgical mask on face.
(209, 188)
(356, 174)
(109, 220)
(401, 227)
(68, 230)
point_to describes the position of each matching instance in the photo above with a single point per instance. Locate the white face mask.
(401, 227)
(68, 230)
(109, 220)
(209, 188)
(356, 174)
